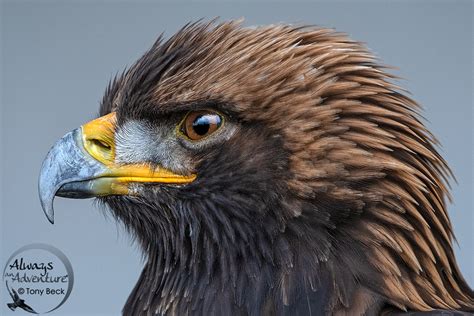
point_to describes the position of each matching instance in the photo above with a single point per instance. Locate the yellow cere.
(98, 137)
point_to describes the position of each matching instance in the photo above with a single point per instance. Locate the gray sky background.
(57, 58)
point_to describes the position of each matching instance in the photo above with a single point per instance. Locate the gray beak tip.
(65, 172)
(50, 214)
(50, 219)
(47, 206)
(54, 172)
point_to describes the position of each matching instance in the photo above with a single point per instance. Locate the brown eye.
(200, 124)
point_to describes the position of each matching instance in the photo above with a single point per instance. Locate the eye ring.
(200, 124)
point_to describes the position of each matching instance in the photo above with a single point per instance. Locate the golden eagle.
(273, 170)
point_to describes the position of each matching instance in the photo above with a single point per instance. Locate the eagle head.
(268, 170)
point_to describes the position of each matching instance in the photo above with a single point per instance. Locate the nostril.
(100, 143)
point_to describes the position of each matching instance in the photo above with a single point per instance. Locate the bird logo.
(17, 301)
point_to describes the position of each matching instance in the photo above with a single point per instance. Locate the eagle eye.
(199, 124)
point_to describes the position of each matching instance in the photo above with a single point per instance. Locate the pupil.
(201, 125)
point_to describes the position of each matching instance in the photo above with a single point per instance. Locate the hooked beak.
(82, 165)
